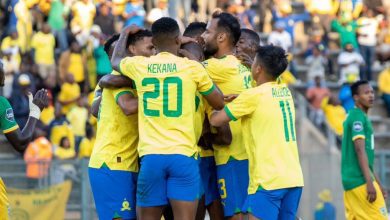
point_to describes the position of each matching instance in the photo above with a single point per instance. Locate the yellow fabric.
(76, 67)
(24, 25)
(323, 7)
(8, 43)
(86, 147)
(37, 157)
(117, 135)
(357, 206)
(47, 115)
(60, 131)
(44, 45)
(334, 115)
(384, 81)
(64, 154)
(69, 92)
(83, 15)
(3, 202)
(78, 117)
(166, 85)
(231, 77)
(287, 78)
(268, 122)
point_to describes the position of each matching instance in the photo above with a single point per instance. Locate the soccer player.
(268, 121)
(19, 139)
(221, 36)
(247, 45)
(166, 86)
(364, 196)
(114, 160)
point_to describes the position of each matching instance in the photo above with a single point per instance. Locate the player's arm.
(96, 102)
(360, 149)
(222, 137)
(120, 50)
(115, 81)
(127, 102)
(20, 138)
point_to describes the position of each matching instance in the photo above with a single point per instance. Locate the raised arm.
(115, 81)
(19, 139)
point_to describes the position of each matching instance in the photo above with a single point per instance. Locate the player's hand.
(371, 192)
(132, 29)
(229, 98)
(185, 40)
(41, 99)
(245, 59)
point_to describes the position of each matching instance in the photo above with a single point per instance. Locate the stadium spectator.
(346, 30)
(349, 61)
(38, 156)
(60, 127)
(105, 20)
(279, 37)
(78, 117)
(384, 88)
(83, 12)
(43, 45)
(134, 13)
(73, 61)
(315, 95)
(351, 9)
(205, 7)
(317, 63)
(103, 64)
(367, 37)
(69, 94)
(64, 150)
(24, 25)
(325, 210)
(47, 114)
(57, 21)
(334, 114)
(158, 12)
(11, 47)
(86, 145)
(323, 12)
(345, 94)
(19, 101)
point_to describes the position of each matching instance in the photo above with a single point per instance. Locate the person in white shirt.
(280, 37)
(316, 63)
(349, 61)
(367, 38)
(160, 11)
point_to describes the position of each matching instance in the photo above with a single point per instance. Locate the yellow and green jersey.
(267, 115)
(200, 114)
(232, 78)
(117, 134)
(166, 86)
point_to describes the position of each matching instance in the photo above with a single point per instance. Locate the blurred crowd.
(59, 45)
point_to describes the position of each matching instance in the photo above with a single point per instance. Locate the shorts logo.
(125, 206)
(357, 126)
(9, 115)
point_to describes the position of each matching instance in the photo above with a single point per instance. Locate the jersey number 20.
(288, 124)
(165, 93)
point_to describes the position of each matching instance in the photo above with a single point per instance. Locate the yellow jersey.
(200, 113)
(78, 117)
(166, 86)
(86, 147)
(384, 81)
(4, 203)
(69, 92)
(76, 67)
(117, 134)
(64, 153)
(43, 45)
(267, 114)
(232, 78)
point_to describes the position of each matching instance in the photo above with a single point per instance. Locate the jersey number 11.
(288, 124)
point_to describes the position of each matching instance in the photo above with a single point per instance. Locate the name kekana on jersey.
(162, 68)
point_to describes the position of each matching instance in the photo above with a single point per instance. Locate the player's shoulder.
(355, 114)
(3, 101)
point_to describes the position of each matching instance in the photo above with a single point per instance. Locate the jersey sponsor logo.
(9, 115)
(357, 126)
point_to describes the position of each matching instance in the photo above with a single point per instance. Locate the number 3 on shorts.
(221, 183)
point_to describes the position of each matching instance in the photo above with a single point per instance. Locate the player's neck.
(171, 50)
(223, 51)
(361, 107)
(262, 80)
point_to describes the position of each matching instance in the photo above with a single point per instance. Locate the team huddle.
(179, 131)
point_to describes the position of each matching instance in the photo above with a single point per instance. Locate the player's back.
(232, 78)
(270, 138)
(166, 86)
(117, 135)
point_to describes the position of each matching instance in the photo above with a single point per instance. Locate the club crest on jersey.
(125, 206)
(357, 126)
(9, 114)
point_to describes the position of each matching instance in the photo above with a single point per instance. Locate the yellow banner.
(44, 204)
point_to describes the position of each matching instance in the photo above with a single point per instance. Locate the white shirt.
(368, 30)
(316, 66)
(282, 40)
(352, 61)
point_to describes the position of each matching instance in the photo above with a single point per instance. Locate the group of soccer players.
(194, 122)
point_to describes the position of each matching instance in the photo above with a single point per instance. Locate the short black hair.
(230, 24)
(165, 28)
(195, 29)
(134, 38)
(253, 36)
(356, 85)
(273, 59)
(109, 42)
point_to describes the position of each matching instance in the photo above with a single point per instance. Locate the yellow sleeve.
(122, 91)
(245, 104)
(34, 41)
(205, 85)
(212, 68)
(126, 67)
